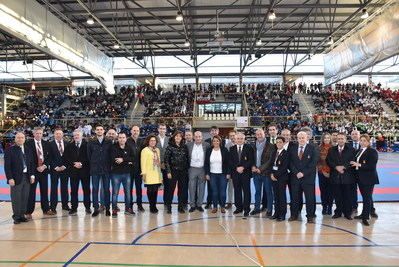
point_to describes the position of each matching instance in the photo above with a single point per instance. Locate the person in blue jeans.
(217, 172)
(261, 174)
(99, 155)
(122, 161)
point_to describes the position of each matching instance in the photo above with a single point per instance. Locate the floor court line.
(257, 251)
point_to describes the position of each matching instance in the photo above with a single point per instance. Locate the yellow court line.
(257, 251)
(44, 249)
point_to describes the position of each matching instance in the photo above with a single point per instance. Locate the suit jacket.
(367, 173)
(190, 147)
(99, 156)
(334, 159)
(306, 165)
(162, 148)
(46, 153)
(73, 154)
(56, 159)
(136, 147)
(225, 160)
(246, 161)
(282, 163)
(14, 163)
(266, 158)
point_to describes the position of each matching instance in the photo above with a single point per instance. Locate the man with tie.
(19, 170)
(272, 130)
(241, 162)
(342, 176)
(58, 172)
(162, 144)
(136, 145)
(41, 159)
(355, 143)
(302, 164)
(99, 155)
(78, 170)
(231, 141)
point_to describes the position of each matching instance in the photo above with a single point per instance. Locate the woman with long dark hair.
(176, 164)
(325, 186)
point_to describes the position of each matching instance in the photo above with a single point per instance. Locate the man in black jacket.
(342, 176)
(136, 145)
(58, 172)
(99, 155)
(19, 170)
(77, 165)
(241, 162)
(303, 160)
(41, 160)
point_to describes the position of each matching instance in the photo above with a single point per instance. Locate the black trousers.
(354, 196)
(19, 197)
(42, 180)
(152, 194)
(300, 203)
(367, 195)
(209, 192)
(166, 186)
(242, 187)
(85, 181)
(55, 177)
(179, 177)
(342, 195)
(299, 188)
(137, 181)
(326, 191)
(280, 197)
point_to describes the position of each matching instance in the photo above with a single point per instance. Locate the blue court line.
(349, 232)
(77, 254)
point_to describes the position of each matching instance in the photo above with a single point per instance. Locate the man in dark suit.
(303, 160)
(58, 172)
(280, 177)
(271, 139)
(19, 170)
(288, 145)
(78, 169)
(342, 176)
(136, 145)
(162, 144)
(41, 160)
(99, 155)
(241, 162)
(355, 143)
(213, 132)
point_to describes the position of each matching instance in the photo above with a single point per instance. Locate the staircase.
(390, 112)
(306, 106)
(136, 112)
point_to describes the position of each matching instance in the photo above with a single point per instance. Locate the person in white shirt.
(217, 172)
(196, 173)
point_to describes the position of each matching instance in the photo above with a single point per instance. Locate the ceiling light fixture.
(365, 14)
(187, 43)
(179, 16)
(259, 42)
(116, 46)
(272, 15)
(330, 41)
(90, 21)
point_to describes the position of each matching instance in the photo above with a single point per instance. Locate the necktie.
(60, 148)
(340, 151)
(272, 141)
(300, 155)
(39, 153)
(355, 145)
(239, 152)
(78, 145)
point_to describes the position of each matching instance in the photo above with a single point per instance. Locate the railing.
(5, 89)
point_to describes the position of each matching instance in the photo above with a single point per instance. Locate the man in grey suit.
(19, 170)
(162, 144)
(196, 172)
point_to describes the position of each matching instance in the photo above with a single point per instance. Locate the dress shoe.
(17, 221)
(222, 210)
(237, 211)
(254, 212)
(329, 211)
(348, 217)
(140, 208)
(365, 222)
(214, 210)
(246, 213)
(192, 209)
(101, 209)
(107, 213)
(208, 206)
(228, 206)
(153, 210)
(22, 220)
(88, 211)
(269, 214)
(358, 217)
(374, 215)
(50, 213)
(280, 219)
(275, 216)
(354, 210)
(169, 210)
(129, 211)
(291, 219)
(72, 212)
(95, 213)
(114, 213)
(200, 209)
(324, 211)
(310, 220)
(181, 210)
(67, 208)
(335, 216)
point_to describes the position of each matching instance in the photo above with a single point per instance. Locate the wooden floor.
(198, 239)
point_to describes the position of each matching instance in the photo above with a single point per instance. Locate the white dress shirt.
(197, 156)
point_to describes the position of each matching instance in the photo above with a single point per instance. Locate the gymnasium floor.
(205, 239)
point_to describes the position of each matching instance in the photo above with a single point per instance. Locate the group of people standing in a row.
(223, 166)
